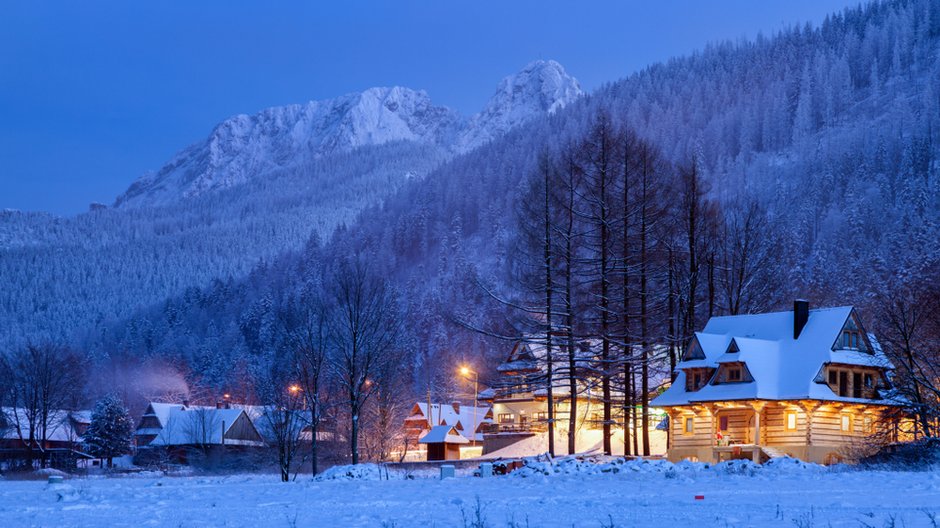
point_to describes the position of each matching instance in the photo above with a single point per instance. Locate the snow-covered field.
(787, 493)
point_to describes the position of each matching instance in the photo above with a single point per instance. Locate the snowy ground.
(580, 495)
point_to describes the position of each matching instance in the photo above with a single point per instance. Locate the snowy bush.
(359, 472)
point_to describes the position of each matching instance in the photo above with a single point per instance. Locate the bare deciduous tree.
(365, 330)
(306, 339)
(42, 380)
(282, 420)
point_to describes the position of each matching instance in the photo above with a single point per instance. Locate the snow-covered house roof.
(466, 418)
(443, 434)
(784, 361)
(61, 424)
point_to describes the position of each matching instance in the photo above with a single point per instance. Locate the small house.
(443, 442)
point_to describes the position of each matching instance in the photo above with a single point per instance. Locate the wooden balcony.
(516, 427)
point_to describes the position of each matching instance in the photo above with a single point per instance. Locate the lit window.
(541, 416)
(791, 421)
(868, 424)
(846, 423)
(689, 425)
(505, 418)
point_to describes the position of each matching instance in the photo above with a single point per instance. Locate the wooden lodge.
(811, 384)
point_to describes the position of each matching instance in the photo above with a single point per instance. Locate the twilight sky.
(95, 93)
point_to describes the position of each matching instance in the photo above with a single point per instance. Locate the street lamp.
(466, 372)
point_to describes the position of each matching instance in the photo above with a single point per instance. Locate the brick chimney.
(800, 316)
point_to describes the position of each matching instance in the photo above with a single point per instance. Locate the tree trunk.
(550, 382)
(354, 437)
(644, 311)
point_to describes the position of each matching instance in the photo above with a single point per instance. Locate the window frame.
(501, 418)
(845, 423)
(787, 417)
(688, 425)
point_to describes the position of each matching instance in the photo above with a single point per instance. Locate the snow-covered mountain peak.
(247, 146)
(244, 147)
(541, 87)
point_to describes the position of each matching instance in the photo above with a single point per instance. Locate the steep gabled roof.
(783, 368)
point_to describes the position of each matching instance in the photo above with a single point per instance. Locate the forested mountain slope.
(832, 128)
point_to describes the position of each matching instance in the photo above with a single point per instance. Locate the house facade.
(520, 402)
(811, 384)
(62, 448)
(443, 442)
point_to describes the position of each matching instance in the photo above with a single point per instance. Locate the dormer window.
(852, 337)
(732, 348)
(693, 351)
(733, 373)
(851, 340)
(696, 378)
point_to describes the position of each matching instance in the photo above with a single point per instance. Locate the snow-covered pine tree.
(109, 434)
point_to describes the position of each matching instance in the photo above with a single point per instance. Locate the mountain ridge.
(244, 147)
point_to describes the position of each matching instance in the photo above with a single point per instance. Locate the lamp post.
(466, 372)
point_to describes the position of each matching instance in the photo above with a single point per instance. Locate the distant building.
(811, 384)
(63, 445)
(179, 429)
(469, 421)
(520, 400)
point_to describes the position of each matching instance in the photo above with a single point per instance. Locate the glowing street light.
(466, 372)
(294, 389)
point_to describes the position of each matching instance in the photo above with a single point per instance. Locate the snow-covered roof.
(195, 425)
(162, 411)
(783, 368)
(468, 416)
(443, 433)
(59, 425)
